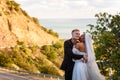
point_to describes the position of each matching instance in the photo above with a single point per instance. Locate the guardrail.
(36, 74)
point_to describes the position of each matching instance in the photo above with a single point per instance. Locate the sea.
(64, 26)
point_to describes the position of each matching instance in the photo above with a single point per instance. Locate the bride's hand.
(85, 58)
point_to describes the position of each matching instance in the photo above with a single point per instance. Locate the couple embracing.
(79, 58)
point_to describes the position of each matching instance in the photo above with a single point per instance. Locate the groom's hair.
(75, 30)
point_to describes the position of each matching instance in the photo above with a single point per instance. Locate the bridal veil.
(93, 70)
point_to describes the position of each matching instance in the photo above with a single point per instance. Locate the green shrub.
(15, 56)
(24, 49)
(50, 31)
(34, 49)
(10, 2)
(42, 60)
(4, 60)
(35, 20)
(53, 51)
(25, 13)
(49, 51)
(30, 60)
(27, 66)
(44, 67)
(17, 9)
(45, 49)
(43, 28)
(22, 61)
(52, 56)
(48, 70)
(20, 42)
(58, 44)
(12, 5)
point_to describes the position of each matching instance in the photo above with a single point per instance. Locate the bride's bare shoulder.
(79, 45)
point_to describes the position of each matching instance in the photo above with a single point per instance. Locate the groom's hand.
(85, 58)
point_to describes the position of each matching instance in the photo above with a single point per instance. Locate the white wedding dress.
(89, 70)
(80, 68)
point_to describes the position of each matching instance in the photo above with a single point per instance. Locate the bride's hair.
(83, 39)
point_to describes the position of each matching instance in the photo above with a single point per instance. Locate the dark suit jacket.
(67, 63)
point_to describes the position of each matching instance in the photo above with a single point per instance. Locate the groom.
(68, 64)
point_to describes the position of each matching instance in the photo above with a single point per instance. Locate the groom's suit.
(68, 64)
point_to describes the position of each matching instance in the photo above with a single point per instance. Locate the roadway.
(10, 76)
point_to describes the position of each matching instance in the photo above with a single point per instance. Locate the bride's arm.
(76, 49)
(68, 51)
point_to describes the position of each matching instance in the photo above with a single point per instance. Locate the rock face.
(15, 25)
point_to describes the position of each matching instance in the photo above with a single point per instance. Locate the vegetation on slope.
(31, 59)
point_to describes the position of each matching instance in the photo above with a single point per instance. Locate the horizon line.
(66, 18)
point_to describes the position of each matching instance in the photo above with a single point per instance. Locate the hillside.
(16, 24)
(25, 44)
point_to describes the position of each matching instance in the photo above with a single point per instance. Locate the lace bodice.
(76, 51)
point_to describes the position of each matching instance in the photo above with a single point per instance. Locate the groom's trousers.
(68, 74)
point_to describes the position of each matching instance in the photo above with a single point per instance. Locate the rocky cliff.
(16, 24)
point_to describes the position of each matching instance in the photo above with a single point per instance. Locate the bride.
(85, 70)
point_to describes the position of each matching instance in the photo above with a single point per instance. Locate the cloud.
(68, 8)
(103, 3)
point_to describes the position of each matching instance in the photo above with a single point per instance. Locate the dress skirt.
(80, 71)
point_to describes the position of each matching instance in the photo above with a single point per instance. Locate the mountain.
(16, 24)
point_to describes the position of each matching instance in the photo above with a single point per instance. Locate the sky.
(44, 9)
